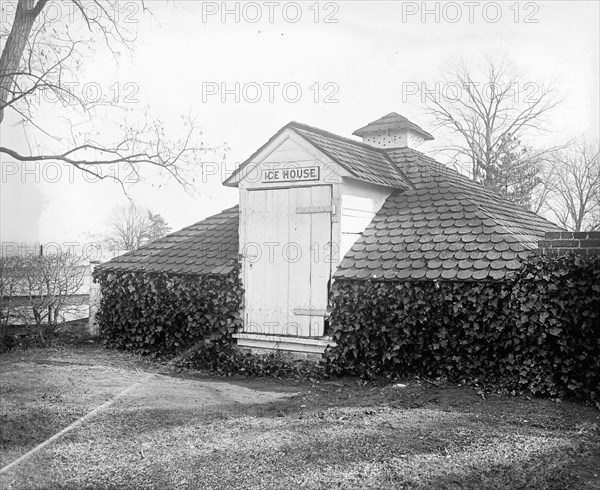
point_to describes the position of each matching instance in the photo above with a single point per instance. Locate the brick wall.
(581, 242)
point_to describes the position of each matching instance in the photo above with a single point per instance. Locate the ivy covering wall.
(157, 312)
(539, 333)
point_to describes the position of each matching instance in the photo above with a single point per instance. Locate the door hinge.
(309, 312)
(329, 208)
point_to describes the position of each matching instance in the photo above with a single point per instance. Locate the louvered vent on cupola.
(393, 131)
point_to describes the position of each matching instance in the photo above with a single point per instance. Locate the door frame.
(334, 218)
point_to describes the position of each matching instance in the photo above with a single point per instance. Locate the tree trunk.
(25, 15)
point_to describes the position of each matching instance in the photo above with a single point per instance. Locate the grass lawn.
(190, 431)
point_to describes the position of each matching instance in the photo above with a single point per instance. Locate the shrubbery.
(224, 358)
(538, 333)
(162, 313)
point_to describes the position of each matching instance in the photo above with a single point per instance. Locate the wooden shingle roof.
(362, 161)
(207, 247)
(446, 228)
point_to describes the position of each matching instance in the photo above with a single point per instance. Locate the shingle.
(435, 264)
(363, 273)
(418, 263)
(403, 264)
(498, 264)
(389, 274)
(350, 273)
(464, 274)
(449, 273)
(403, 273)
(465, 264)
(509, 255)
(493, 255)
(497, 274)
(450, 264)
(418, 273)
(375, 265)
(389, 264)
(481, 264)
(479, 275)
(513, 264)
(433, 273)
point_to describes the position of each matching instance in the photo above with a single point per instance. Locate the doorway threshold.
(264, 343)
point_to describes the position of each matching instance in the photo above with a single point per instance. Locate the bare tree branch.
(491, 117)
(573, 188)
(39, 59)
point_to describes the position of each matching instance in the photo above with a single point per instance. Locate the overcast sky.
(352, 61)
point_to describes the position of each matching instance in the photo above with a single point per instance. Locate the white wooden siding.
(360, 202)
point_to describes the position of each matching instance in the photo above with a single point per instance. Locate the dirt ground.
(185, 430)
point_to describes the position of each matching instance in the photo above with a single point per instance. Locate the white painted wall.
(360, 203)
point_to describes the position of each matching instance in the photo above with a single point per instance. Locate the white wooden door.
(287, 260)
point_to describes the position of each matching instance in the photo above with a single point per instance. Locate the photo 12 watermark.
(470, 12)
(270, 12)
(90, 251)
(517, 92)
(90, 11)
(55, 171)
(270, 92)
(89, 93)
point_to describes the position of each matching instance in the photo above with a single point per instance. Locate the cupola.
(393, 131)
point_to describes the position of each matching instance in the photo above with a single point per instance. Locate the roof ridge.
(223, 211)
(341, 138)
(497, 199)
(420, 154)
(464, 188)
(295, 125)
(335, 136)
(505, 231)
(485, 190)
(306, 127)
(509, 234)
(345, 139)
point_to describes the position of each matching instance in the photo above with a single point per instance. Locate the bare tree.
(128, 228)
(131, 227)
(41, 290)
(574, 187)
(544, 191)
(41, 56)
(491, 114)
